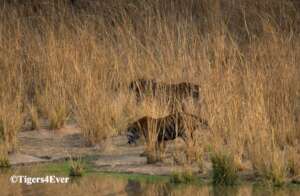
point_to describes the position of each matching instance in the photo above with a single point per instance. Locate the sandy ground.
(115, 155)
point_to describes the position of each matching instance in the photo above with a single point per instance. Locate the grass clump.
(4, 161)
(274, 171)
(11, 120)
(293, 164)
(224, 170)
(54, 106)
(184, 177)
(58, 117)
(274, 176)
(1, 131)
(272, 164)
(77, 168)
(98, 121)
(33, 117)
(152, 157)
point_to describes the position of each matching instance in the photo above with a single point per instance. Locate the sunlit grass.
(246, 64)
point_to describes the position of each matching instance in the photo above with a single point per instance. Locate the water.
(109, 185)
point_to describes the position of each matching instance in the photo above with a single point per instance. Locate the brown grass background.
(73, 61)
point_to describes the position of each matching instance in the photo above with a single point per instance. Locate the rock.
(149, 169)
(120, 160)
(21, 159)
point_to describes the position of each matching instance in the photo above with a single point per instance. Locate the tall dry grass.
(76, 60)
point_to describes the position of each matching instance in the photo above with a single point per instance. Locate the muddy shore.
(115, 155)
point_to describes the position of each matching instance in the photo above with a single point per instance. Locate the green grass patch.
(185, 177)
(62, 168)
(77, 168)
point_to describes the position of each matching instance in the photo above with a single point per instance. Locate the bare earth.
(115, 155)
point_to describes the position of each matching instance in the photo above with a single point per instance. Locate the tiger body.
(179, 91)
(166, 128)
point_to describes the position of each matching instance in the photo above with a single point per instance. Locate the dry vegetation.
(60, 60)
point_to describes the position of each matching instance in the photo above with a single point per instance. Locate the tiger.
(166, 128)
(179, 91)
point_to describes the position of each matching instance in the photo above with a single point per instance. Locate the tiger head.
(133, 134)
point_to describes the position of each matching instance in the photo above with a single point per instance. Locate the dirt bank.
(115, 155)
